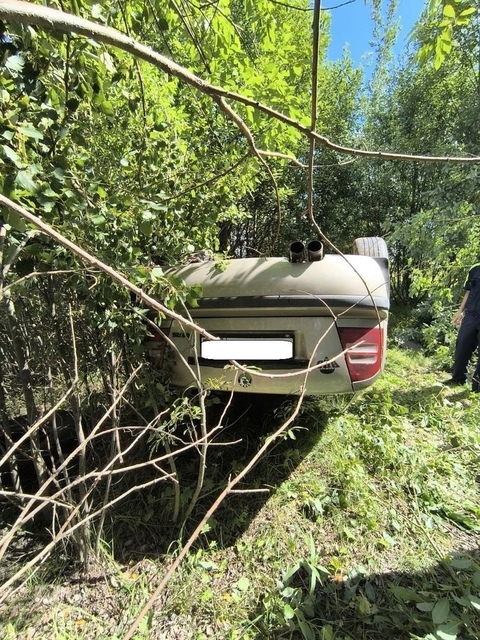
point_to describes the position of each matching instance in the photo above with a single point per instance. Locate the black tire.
(375, 247)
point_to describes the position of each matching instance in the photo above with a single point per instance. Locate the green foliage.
(299, 601)
(445, 18)
(371, 530)
(427, 211)
(143, 171)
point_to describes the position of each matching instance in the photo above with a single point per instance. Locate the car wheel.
(375, 247)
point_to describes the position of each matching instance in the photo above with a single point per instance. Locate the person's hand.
(457, 318)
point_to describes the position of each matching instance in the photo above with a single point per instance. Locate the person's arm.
(457, 318)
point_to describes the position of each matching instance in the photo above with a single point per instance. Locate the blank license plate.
(247, 349)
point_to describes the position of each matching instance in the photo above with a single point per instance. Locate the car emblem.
(245, 380)
(329, 367)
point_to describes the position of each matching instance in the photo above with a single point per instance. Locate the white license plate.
(247, 349)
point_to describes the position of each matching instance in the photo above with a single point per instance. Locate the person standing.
(468, 340)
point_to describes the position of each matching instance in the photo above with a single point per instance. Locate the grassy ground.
(370, 529)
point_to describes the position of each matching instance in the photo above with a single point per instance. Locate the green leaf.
(24, 180)
(99, 220)
(425, 606)
(448, 631)
(156, 273)
(31, 132)
(96, 11)
(439, 59)
(405, 595)
(441, 611)
(449, 11)
(146, 228)
(208, 565)
(16, 221)
(12, 155)
(446, 45)
(192, 302)
(461, 563)
(327, 633)
(364, 607)
(243, 584)
(306, 628)
(46, 204)
(387, 539)
(475, 602)
(467, 12)
(106, 107)
(288, 612)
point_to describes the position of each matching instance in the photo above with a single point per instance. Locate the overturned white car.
(311, 321)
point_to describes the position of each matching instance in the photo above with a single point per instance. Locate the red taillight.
(156, 345)
(363, 351)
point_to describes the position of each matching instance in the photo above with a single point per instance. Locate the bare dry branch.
(35, 274)
(314, 106)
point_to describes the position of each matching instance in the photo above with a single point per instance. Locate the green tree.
(140, 170)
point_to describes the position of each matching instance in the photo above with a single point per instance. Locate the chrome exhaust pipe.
(314, 251)
(297, 252)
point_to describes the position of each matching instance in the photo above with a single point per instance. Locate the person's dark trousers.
(468, 340)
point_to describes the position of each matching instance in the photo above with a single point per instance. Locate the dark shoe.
(451, 382)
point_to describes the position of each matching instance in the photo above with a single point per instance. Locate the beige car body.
(316, 327)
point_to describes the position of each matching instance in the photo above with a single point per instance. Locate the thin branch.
(37, 424)
(337, 6)
(313, 120)
(3, 236)
(309, 9)
(30, 496)
(191, 33)
(26, 514)
(64, 532)
(171, 459)
(250, 490)
(282, 156)
(291, 6)
(34, 274)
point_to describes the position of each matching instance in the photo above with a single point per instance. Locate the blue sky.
(352, 24)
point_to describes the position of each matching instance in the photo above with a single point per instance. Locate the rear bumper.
(318, 365)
